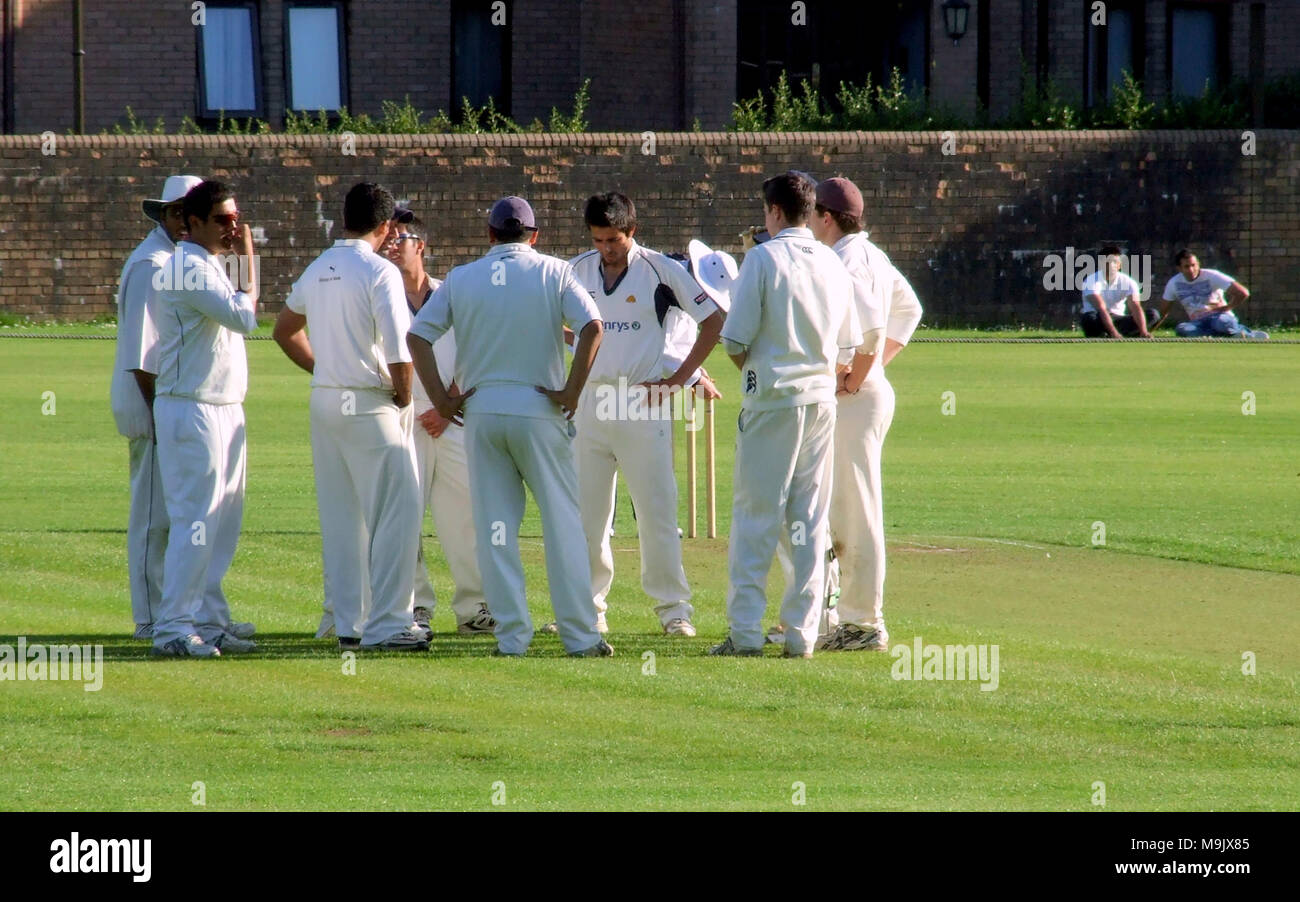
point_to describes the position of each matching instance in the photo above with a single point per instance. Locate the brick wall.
(711, 63)
(1006, 29)
(545, 61)
(970, 230)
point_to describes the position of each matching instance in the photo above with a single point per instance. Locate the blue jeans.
(1214, 324)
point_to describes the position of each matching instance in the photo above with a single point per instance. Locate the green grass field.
(1121, 664)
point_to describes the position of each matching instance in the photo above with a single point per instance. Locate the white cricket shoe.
(192, 646)
(679, 626)
(850, 637)
(422, 615)
(481, 624)
(401, 641)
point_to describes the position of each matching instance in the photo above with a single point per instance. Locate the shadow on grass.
(304, 646)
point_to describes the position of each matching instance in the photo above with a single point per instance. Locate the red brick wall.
(969, 229)
(710, 63)
(545, 58)
(953, 69)
(629, 51)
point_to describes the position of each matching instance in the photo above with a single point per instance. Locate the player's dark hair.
(610, 211)
(1183, 255)
(1112, 250)
(203, 197)
(366, 207)
(847, 222)
(794, 192)
(507, 235)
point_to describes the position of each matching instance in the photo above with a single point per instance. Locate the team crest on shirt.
(631, 299)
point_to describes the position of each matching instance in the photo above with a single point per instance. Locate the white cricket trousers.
(444, 487)
(505, 454)
(857, 509)
(202, 458)
(146, 531)
(642, 449)
(782, 479)
(369, 502)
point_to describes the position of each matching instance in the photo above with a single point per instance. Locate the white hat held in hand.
(715, 271)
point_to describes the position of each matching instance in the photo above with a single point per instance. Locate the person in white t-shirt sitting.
(1202, 294)
(1112, 305)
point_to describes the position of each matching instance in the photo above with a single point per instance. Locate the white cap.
(175, 188)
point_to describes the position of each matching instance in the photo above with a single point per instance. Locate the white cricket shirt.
(791, 306)
(1200, 296)
(357, 316)
(872, 277)
(444, 354)
(508, 308)
(137, 335)
(201, 327)
(634, 340)
(1114, 293)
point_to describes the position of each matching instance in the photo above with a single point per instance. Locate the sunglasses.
(225, 219)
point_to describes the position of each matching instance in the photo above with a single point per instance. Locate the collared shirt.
(357, 316)
(137, 334)
(1114, 293)
(791, 306)
(634, 341)
(1201, 296)
(902, 310)
(202, 321)
(508, 308)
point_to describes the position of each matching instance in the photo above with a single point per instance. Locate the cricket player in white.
(791, 314)
(199, 419)
(1112, 305)
(889, 313)
(440, 461)
(135, 367)
(624, 421)
(509, 309)
(352, 301)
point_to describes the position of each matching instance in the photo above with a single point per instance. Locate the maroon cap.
(840, 196)
(510, 213)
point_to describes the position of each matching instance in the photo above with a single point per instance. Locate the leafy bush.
(394, 119)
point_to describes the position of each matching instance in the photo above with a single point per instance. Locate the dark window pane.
(480, 55)
(1119, 47)
(1195, 51)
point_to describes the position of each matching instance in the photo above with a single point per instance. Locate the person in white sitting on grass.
(1202, 295)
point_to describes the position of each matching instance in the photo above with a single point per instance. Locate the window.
(230, 56)
(1114, 47)
(315, 57)
(480, 42)
(831, 42)
(1198, 48)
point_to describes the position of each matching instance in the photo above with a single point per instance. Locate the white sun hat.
(174, 189)
(715, 271)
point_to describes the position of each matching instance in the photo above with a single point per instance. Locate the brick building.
(653, 64)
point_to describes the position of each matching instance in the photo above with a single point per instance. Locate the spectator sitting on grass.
(1201, 292)
(1112, 306)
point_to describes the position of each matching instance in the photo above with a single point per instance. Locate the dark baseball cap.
(510, 213)
(839, 195)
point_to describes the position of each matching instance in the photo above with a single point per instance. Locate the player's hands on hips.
(451, 407)
(567, 400)
(433, 422)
